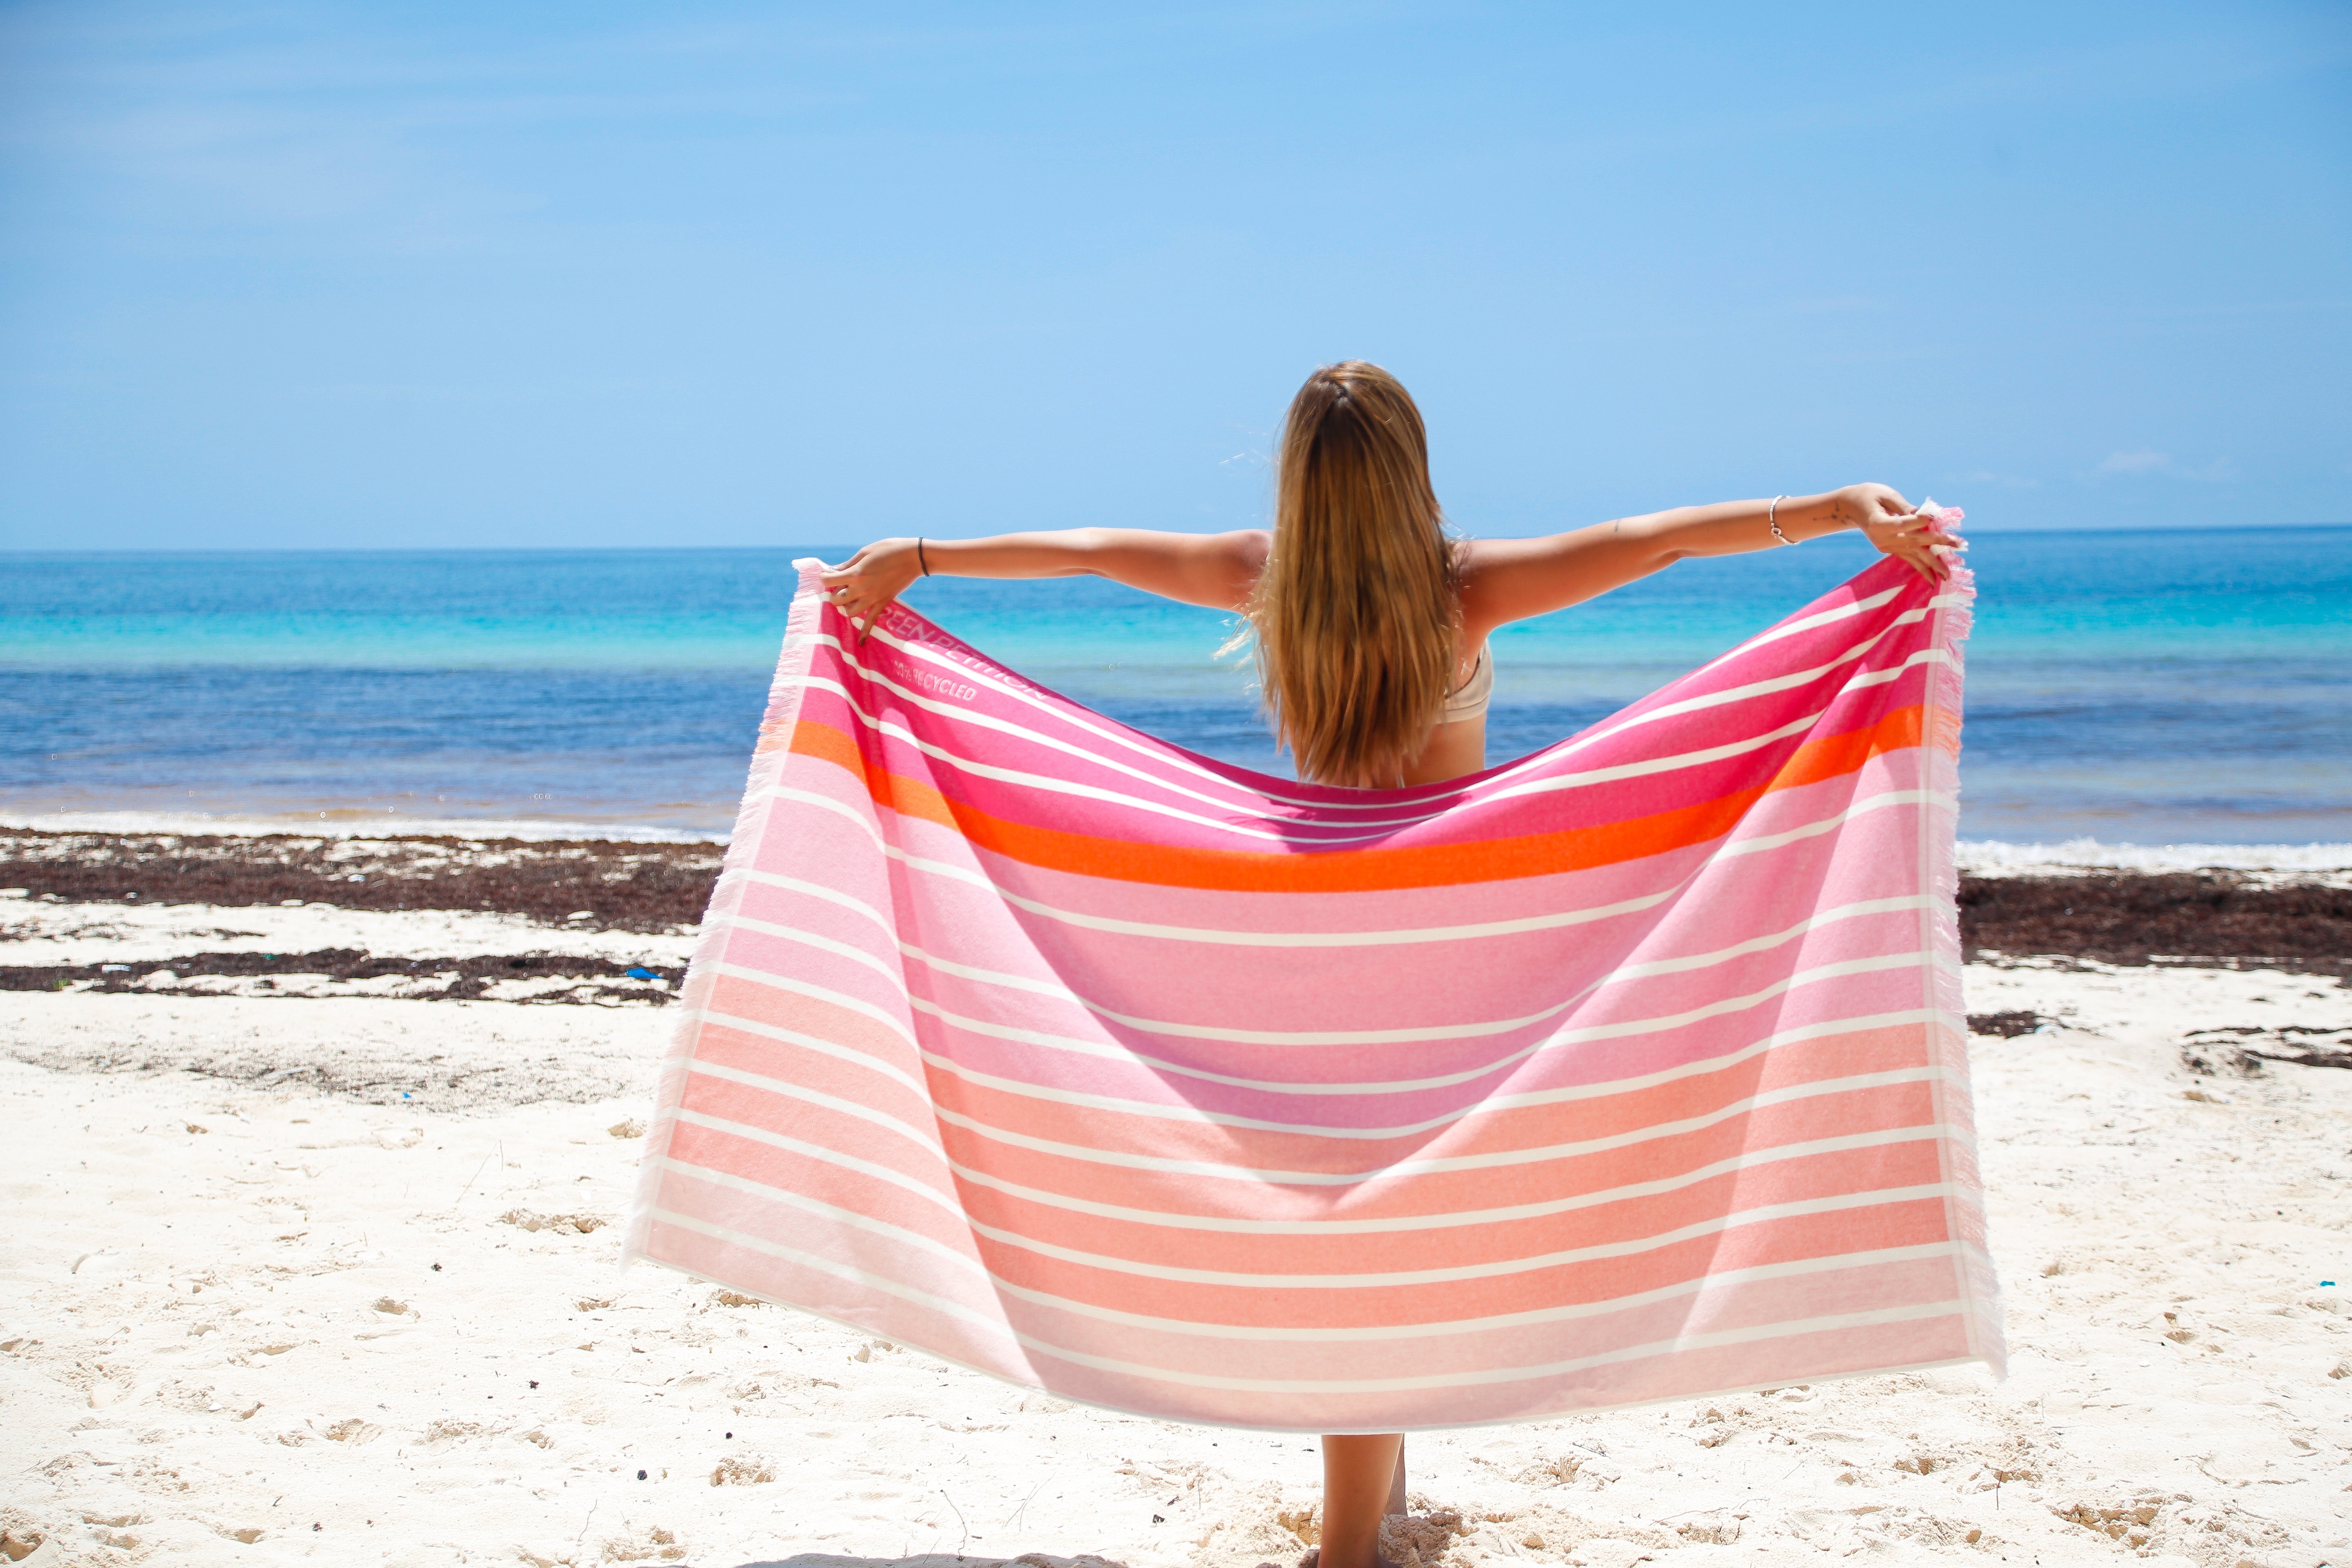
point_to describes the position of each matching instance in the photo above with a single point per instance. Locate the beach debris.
(2247, 1045)
(639, 972)
(1717, 1528)
(2128, 1522)
(656, 1545)
(631, 1128)
(2007, 1025)
(634, 887)
(2211, 1058)
(743, 1472)
(1420, 1539)
(351, 1430)
(560, 1224)
(536, 978)
(30, 1549)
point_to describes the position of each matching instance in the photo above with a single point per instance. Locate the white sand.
(46, 931)
(234, 1345)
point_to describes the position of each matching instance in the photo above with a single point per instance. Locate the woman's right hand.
(863, 586)
(1897, 529)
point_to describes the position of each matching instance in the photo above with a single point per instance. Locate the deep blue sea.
(2140, 687)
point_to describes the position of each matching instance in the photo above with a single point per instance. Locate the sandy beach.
(312, 1255)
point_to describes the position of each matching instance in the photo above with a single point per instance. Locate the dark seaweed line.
(466, 978)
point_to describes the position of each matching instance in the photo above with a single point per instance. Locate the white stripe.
(960, 714)
(826, 801)
(1760, 842)
(1399, 1171)
(1620, 975)
(894, 973)
(1182, 1112)
(814, 890)
(1041, 782)
(922, 1137)
(1186, 1112)
(1395, 1176)
(1746, 1160)
(1650, 765)
(819, 993)
(1400, 936)
(1715, 1225)
(1679, 1344)
(1645, 768)
(1716, 1339)
(823, 1265)
(1113, 1050)
(947, 1202)
(1381, 1280)
(1304, 1385)
(1777, 683)
(1500, 1321)
(988, 679)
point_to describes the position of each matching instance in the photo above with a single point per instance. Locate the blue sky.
(603, 275)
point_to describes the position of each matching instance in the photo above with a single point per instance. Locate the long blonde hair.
(1355, 616)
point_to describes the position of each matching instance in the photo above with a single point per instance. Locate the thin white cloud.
(2147, 461)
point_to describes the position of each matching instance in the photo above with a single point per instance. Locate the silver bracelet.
(1771, 521)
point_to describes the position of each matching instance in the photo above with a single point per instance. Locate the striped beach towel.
(1631, 1070)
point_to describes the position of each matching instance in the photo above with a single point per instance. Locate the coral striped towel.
(1632, 1070)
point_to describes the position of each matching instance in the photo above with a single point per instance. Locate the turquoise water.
(2144, 688)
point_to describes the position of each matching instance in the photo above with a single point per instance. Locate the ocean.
(2138, 688)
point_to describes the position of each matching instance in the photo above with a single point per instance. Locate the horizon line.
(6, 550)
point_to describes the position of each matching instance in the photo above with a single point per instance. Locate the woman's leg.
(1358, 1473)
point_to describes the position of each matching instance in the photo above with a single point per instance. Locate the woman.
(1371, 625)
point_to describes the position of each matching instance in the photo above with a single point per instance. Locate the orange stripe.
(1350, 870)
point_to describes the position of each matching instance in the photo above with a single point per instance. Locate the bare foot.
(1313, 1558)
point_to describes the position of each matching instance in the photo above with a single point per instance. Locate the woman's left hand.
(863, 586)
(1898, 529)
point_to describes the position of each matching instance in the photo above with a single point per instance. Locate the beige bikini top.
(1469, 699)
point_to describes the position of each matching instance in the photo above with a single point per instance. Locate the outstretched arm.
(1214, 569)
(1511, 579)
